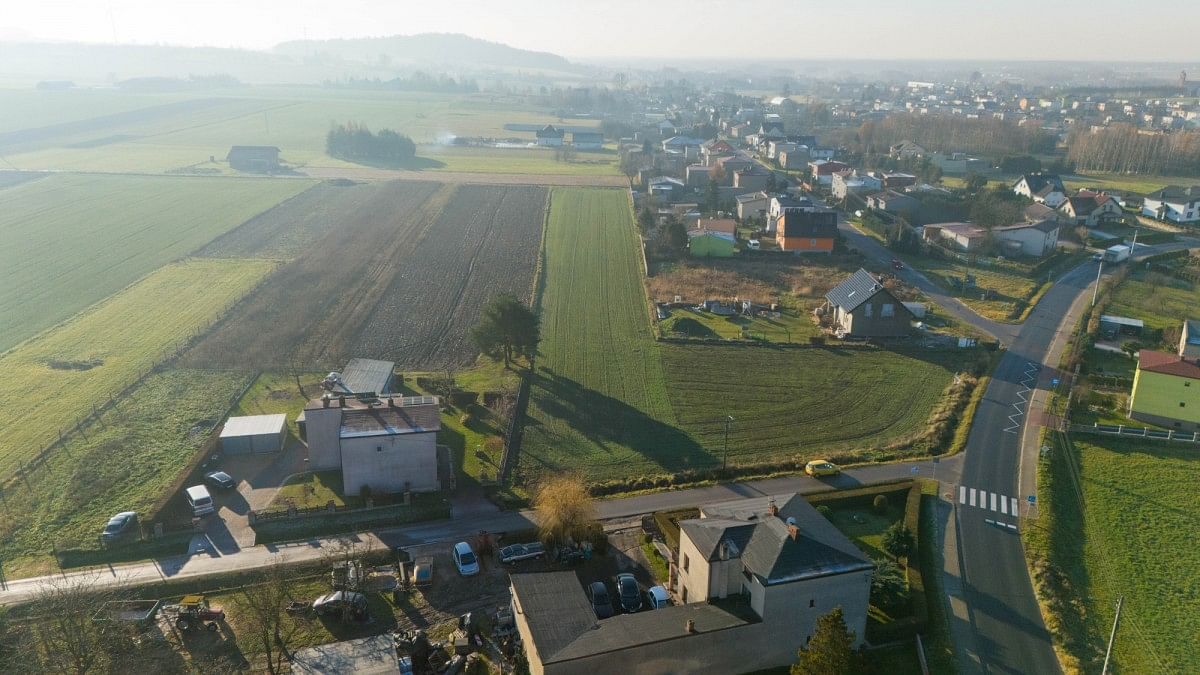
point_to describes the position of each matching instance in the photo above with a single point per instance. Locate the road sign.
(1032, 499)
(1054, 381)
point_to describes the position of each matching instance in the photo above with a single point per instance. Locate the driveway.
(259, 478)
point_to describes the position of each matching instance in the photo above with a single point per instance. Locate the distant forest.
(1122, 148)
(418, 81)
(356, 142)
(944, 133)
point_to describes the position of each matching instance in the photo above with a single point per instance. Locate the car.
(628, 593)
(1097, 258)
(601, 604)
(219, 479)
(658, 597)
(897, 264)
(341, 601)
(465, 560)
(120, 525)
(422, 572)
(822, 467)
(518, 552)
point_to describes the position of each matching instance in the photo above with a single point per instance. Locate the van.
(200, 501)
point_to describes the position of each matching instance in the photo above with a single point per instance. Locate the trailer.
(138, 612)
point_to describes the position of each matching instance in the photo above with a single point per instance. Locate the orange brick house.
(807, 231)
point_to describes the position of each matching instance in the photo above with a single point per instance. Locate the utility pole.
(1112, 636)
(1096, 290)
(725, 456)
(1133, 246)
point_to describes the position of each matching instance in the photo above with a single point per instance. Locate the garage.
(254, 434)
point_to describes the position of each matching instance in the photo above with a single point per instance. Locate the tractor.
(193, 612)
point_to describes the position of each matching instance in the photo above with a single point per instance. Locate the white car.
(465, 560)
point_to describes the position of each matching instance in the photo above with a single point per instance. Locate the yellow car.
(822, 467)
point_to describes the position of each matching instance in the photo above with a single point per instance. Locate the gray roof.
(361, 376)
(374, 655)
(563, 627)
(389, 421)
(854, 291)
(1176, 193)
(1191, 330)
(708, 534)
(254, 425)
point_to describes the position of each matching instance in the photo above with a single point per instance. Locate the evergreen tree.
(831, 649)
(507, 328)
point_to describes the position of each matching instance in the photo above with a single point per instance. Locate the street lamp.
(725, 456)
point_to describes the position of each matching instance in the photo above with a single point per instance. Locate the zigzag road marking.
(1027, 382)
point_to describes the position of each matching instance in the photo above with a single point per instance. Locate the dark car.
(628, 593)
(118, 526)
(219, 479)
(338, 602)
(601, 603)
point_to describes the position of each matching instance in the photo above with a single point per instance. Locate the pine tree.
(831, 649)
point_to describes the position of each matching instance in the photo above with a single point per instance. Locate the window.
(867, 310)
(812, 603)
(812, 242)
(379, 448)
(683, 595)
(685, 562)
(888, 310)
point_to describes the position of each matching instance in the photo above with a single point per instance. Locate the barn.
(255, 158)
(254, 434)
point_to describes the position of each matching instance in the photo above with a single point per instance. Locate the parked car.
(120, 525)
(422, 572)
(465, 560)
(200, 500)
(220, 479)
(897, 264)
(518, 552)
(628, 593)
(822, 467)
(658, 597)
(601, 603)
(338, 602)
(1097, 258)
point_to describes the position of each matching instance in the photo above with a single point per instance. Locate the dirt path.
(368, 173)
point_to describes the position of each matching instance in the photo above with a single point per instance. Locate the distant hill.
(430, 48)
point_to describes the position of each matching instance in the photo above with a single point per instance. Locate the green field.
(599, 400)
(1124, 528)
(124, 462)
(68, 241)
(1160, 303)
(57, 377)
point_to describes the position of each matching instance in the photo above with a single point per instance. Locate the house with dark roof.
(587, 140)
(1043, 188)
(1091, 209)
(1174, 203)
(893, 202)
(388, 443)
(861, 307)
(751, 578)
(549, 135)
(806, 230)
(1166, 390)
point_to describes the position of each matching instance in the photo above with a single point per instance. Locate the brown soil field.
(484, 243)
(465, 177)
(760, 279)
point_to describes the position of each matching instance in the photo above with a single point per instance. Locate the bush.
(898, 540)
(824, 511)
(880, 504)
(597, 538)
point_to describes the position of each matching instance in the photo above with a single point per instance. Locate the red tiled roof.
(1167, 364)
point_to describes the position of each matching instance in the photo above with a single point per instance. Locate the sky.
(1102, 30)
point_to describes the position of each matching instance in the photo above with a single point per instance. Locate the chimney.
(691, 626)
(772, 508)
(341, 401)
(793, 532)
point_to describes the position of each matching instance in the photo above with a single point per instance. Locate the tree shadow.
(412, 164)
(611, 425)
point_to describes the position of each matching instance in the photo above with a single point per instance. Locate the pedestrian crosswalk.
(988, 501)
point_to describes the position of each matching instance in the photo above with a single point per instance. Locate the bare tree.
(564, 508)
(265, 620)
(70, 639)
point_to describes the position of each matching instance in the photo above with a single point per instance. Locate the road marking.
(972, 496)
(1014, 506)
(1004, 505)
(962, 494)
(993, 501)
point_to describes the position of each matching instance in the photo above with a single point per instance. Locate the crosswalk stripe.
(972, 496)
(1004, 505)
(993, 501)
(1014, 506)
(962, 494)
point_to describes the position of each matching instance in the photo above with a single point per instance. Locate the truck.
(1117, 254)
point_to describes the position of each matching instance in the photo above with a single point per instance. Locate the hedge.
(347, 521)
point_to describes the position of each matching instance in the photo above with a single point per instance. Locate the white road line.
(993, 501)
(962, 494)
(1004, 505)
(1014, 506)
(972, 496)
(1011, 526)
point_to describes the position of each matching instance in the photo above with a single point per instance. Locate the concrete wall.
(695, 577)
(799, 604)
(387, 463)
(322, 426)
(1033, 241)
(1156, 399)
(244, 445)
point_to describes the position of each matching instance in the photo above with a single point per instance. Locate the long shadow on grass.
(611, 424)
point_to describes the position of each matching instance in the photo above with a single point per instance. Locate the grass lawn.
(1122, 528)
(123, 462)
(791, 326)
(275, 393)
(308, 490)
(68, 241)
(1160, 306)
(57, 377)
(1122, 182)
(599, 400)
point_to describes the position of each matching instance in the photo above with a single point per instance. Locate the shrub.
(880, 503)
(898, 540)
(824, 511)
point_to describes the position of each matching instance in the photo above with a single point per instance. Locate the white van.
(200, 500)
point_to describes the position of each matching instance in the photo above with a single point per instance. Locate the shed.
(1120, 324)
(256, 158)
(254, 433)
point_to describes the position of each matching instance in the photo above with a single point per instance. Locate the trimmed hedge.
(349, 521)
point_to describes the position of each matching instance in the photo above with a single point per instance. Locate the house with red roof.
(1166, 390)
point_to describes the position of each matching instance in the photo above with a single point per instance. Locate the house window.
(867, 310)
(812, 242)
(683, 595)
(685, 562)
(379, 448)
(888, 310)
(812, 603)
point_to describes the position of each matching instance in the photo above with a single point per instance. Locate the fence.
(1136, 432)
(512, 439)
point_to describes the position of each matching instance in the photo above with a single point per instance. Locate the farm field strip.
(483, 243)
(58, 376)
(314, 308)
(68, 241)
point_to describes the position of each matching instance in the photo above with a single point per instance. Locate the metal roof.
(389, 421)
(361, 376)
(254, 425)
(1122, 321)
(854, 291)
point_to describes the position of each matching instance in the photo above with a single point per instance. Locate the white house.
(853, 182)
(1032, 239)
(1043, 188)
(1174, 203)
(1090, 209)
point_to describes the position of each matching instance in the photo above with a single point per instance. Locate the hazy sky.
(1111, 30)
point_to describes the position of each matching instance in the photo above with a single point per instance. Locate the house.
(752, 206)
(895, 180)
(751, 576)
(664, 187)
(1174, 203)
(753, 178)
(845, 183)
(1091, 209)
(682, 145)
(774, 147)
(710, 151)
(253, 158)
(892, 202)
(587, 140)
(861, 307)
(389, 444)
(822, 170)
(1189, 340)
(796, 157)
(253, 434)
(1031, 239)
(698, 175)
(1166, 390)
(550, 136)
(1043, 188)
(781, 204)
(907, 150)
(963, 236)
(806, 230)
(713, 237)
(1038, 212)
